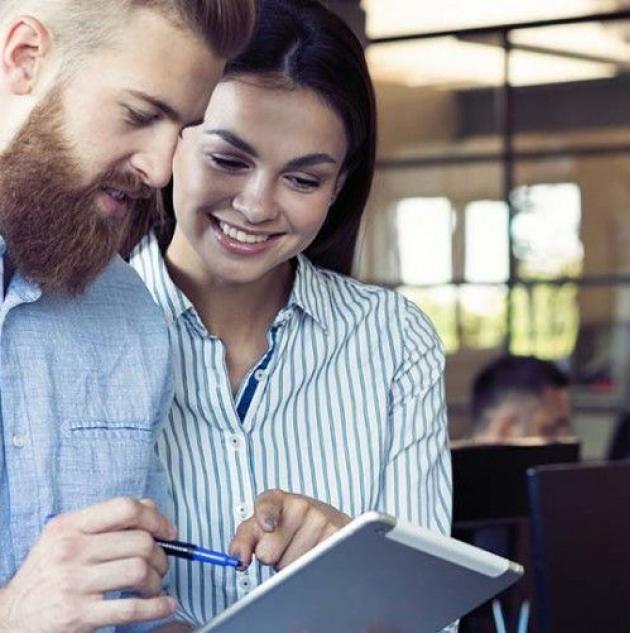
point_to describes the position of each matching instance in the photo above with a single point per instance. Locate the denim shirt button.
(19, 441)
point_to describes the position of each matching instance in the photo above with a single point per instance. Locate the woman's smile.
(238, 241)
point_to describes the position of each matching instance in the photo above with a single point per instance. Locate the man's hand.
(79, 556)
(284, 526)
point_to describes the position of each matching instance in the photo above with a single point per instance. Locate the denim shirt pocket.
(108, 430)
(103, 458)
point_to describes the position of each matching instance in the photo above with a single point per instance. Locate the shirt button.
(19, 441)
(245, 583)
(235, 441)
(260, 374)
(241, 510)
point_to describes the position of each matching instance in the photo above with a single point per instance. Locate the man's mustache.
(130, 184)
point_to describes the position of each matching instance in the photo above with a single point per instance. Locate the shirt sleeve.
(417, 479)
(417, 483)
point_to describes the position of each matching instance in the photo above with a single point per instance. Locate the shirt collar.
(25, 290)
(310, 292)
(149, 262)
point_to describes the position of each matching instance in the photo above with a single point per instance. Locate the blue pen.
(194, 552)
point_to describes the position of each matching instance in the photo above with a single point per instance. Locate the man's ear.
(26, 43)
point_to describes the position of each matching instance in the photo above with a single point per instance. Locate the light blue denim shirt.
(85, 384)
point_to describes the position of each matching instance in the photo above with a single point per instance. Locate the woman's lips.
(234, 242)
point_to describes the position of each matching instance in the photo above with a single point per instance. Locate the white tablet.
(376, 575)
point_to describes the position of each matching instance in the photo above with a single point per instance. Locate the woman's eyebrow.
(311, 159)
(296, 163)
(233, 139)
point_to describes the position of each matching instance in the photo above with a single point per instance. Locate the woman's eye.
(303, 184)
(228, 164)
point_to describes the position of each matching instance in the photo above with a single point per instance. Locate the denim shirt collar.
(20, 290)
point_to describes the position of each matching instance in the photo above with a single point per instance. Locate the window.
(473, 312)
(424, 229)
(547, 246)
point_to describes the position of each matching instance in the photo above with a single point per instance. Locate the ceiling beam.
(613, 16)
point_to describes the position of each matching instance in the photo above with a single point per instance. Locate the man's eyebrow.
(297, 163)
(169, 111)
(233, 139)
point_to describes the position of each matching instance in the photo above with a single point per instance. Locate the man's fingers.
(113, 612)
(158, 560)
(134, 574)
(127, 544)
(118, 514)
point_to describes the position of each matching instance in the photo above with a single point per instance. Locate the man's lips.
(120, 193)
(114, 203)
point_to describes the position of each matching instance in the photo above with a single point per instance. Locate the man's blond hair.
(81, 26)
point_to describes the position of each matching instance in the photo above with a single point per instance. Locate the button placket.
(243, 500)
(245, 580)
(242, 510)
(245, 583)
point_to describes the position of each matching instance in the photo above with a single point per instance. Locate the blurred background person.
(518, 397)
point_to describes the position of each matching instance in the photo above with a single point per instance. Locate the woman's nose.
(256, 202)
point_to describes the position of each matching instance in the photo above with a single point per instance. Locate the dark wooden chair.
(580, 528)
(491, 510)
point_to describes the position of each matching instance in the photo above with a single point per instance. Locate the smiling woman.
(303, 397)
(257, 178)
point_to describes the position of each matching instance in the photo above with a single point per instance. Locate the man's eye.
(139, 118)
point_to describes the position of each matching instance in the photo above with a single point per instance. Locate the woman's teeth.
(241, 236)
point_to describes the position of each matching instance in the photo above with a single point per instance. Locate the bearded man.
(93, 97)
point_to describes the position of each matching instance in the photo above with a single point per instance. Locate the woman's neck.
(239, 314)
(233, 310)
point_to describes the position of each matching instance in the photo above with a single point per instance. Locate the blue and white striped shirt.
(346, 406)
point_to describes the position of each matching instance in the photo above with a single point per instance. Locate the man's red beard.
(51, 223)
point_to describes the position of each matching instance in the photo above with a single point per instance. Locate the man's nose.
(154, 162)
